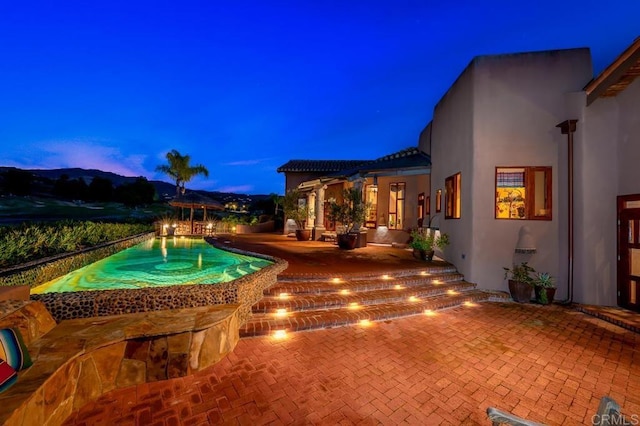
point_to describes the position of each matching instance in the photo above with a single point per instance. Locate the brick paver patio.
(548, 364)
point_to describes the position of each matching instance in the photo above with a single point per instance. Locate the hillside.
(43, 180)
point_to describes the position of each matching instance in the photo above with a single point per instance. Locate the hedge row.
(30, 242)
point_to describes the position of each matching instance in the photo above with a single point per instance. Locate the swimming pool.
(159, 262)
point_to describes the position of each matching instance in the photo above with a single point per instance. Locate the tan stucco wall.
(414, 185)
(293, 179)
(452, 152)
(424, 140)
(502, 111)
(607, 149)
(629, 139)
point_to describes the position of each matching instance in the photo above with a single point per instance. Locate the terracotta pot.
(551, 293)
(347, 241)
(303, 234)
(520, 292)
(423, 254)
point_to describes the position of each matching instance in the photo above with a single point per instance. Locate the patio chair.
(608, 415)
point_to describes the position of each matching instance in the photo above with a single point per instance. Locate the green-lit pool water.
(157, 262)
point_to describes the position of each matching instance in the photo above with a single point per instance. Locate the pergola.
(194, 201)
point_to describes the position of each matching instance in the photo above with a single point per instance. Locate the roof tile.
(320, 165)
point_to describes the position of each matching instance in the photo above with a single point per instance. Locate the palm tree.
(276, 199)
(180, 170)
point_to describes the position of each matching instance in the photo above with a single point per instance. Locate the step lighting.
(470, 304)
(281, 312)
(413, 299)
(424, 273)
(386, 277)
(452, 292)
(354, 305)
(429, 313)
(437, 282)
(365, 323)
(398, 287)
(344, 291)
(336, 280)
(284, 295)
(279, 334)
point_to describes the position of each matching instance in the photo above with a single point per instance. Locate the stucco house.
(395, 187)
(536, 160)
(528, 158)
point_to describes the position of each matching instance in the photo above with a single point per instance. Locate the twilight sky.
(245, 86)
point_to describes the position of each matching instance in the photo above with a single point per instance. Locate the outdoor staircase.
(297, 303)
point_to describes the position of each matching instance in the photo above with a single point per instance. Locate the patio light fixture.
(279, 334)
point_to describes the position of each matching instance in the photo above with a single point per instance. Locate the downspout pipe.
(568, 127)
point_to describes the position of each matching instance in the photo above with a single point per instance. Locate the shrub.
(29, 242)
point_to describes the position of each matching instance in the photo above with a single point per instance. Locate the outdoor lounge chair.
(608, 415)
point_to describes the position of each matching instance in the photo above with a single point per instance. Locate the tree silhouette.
(180, 170)
(276, 200)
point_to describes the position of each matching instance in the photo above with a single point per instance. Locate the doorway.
(629, 252)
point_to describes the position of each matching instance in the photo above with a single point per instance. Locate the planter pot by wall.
(347, 241)
(551, 293)
(520, 292)
(303, 234)
(423, 254)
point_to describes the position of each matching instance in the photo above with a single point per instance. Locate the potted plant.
(295, 208)
(424, 243)
(350, 212)
(520, 282)
(544, 287)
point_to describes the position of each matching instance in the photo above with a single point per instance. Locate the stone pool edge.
(244, 291)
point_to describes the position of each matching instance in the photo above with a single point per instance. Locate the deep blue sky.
(244, 86)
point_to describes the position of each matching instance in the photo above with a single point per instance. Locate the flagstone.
(79, 360)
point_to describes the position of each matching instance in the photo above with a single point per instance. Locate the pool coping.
(244, 291)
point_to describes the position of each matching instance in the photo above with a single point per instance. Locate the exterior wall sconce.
(526, 243)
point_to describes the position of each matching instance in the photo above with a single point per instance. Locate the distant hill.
(164, 190)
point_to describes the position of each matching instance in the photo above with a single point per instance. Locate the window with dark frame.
(452, 208)
(371, 199)
(396, 205)
(421, 209)
(523, 193)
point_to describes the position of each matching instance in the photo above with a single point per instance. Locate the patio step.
(298, 303)
(342, 297)
(266, 324)
(383, 282)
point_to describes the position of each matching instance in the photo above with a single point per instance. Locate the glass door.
(629, 252)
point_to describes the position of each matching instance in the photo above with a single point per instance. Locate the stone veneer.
(244, 291)
(32, 319)
(79, 360)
